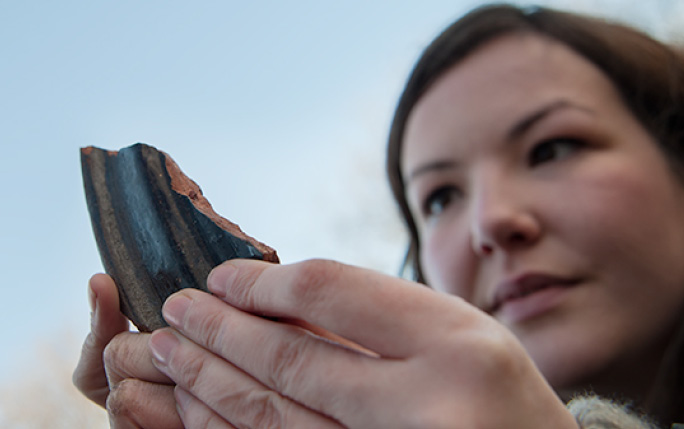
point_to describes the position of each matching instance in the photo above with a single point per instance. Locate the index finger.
(364, 306)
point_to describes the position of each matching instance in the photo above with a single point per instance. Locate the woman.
(539, 172)
(649, 79)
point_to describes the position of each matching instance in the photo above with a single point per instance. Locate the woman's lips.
(528, 295)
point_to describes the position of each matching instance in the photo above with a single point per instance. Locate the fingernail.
(183, 399)
(92, 301)
(92, 298)
(162, 343)
(175, 308)
(221, 278)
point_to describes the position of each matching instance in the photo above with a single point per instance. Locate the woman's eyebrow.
(431, 167)
(522, 126)
(516, 131)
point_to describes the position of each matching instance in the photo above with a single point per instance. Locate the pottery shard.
(155, 230)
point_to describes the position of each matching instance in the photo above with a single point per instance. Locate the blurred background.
(279, 110)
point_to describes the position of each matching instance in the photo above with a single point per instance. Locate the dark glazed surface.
(152, 240)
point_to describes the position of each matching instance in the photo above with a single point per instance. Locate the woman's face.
(543, 201)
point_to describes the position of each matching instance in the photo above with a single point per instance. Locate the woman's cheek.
(444, 259)
(430, 264)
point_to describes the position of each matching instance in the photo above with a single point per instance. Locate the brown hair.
(649, 76)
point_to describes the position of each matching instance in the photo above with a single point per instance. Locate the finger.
(358, 304)
(128, 356)
(228, 391)
(139, 404)
(325, 376)
(106, 322)
(195, 414)
(331, 336)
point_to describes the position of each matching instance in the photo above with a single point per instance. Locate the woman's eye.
(439, 200)
(553, 150)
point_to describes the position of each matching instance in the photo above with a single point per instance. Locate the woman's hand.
(423, 360)
(115, 369)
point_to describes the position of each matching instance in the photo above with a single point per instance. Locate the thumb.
(106, 322)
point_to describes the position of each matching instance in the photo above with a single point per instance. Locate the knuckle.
(78, 380)
(265, 409)
(124, 400)
(112, 351)
(81, 375)
(495, 352)
(211, 327)
(192, 368)
(90, 345)
(287, 363)
(312, 276)
(192, 418)
(115, 356)
(240, 293)
(500, 347)
(91, 385)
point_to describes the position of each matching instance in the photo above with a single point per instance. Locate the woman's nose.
(503, 220)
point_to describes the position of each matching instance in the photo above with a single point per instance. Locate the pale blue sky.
(267, 105)
(264, 104)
